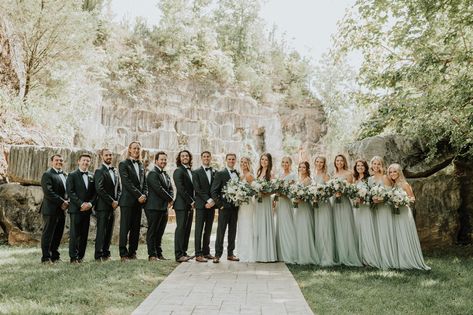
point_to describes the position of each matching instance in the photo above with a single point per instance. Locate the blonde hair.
(401, 179)
(129, 147)
(380, 160)
(323, 158)
(287, 158)
(250, 166)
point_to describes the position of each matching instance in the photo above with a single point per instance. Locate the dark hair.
(52, 157)
(178, 158)
(230, 154)
(366, 174)
(345, 166)
(158, 154)
(208, 152)
(307, 167)
(267, 176)
(85, 155)
(105, 149)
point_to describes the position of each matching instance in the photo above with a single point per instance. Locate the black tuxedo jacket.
(54, 193)
(107, 191)
(184, 189)
(132, 186)
(77, 192)
(160, 192)
(202, 187)
(220, 180)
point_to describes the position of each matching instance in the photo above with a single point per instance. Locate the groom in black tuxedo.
(228, 212)
(160, 198)
(108, 190)
(53, 208)
(205, 207)
(81, 190)
(183, 205)
(132, 200)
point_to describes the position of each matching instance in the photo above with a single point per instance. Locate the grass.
(446, 289)
(29, 287)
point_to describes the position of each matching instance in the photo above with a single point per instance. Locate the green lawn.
(28, 287)
(446, 289)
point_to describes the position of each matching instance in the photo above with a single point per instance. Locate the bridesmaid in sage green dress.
(383, 218)
(364, 221)
(264, 223)
(285, 228)
(346, 240)
(304, 221)
(323, 219)
(408, 245)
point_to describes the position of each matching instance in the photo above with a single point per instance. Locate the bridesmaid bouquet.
(262, 186)
(280, 186)
(297, 192)
(362, 193)
(317, 192)
(397, 198)
(377, 192)
(337, 185)
(237, 192)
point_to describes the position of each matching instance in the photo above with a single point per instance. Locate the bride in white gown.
(246, 238)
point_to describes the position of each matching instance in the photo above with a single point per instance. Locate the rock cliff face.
(442, 210)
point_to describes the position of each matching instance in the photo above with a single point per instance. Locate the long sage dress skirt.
(386, 236)
(367, 236)
(324, 237)
(305, 231)
(285, 231)
(346, 240)
(265, 232)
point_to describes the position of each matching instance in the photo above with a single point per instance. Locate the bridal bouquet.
(397, 198)
(280, 186)
(317, 192)
(377, 192)
(237, 192)
(297, 192)
(361, 192)
(337, 185)
(262, 186)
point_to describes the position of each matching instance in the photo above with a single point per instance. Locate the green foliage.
(417, 69)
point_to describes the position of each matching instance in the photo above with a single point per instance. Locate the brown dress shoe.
(162, 258)
(233, 258)
(200, 259)
(216, 260)
(132, 257)
(124, 259)
(209, 256)
(182, 259)
(153, 258)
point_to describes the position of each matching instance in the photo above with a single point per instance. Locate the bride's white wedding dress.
(246, 244)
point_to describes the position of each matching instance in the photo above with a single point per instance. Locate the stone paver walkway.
(227, 288)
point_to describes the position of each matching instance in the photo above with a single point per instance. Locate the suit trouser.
(226, 216)
(103, 238)
(53, 228)
(183, 231)
(130, 222)
(204, 219)
(157, 220)
(78, 234)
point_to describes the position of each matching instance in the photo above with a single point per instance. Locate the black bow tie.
(162, 172)
(60, 172)
(207, 169)
(233, 171)
(84, 173)
(111, 168)
(134, 161)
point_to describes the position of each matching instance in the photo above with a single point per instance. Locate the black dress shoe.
(132, 257)
(216, 259)
(162, 258)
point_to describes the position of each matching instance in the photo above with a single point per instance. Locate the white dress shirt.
(112, 173)
(137, 168)
(85, 178)
(63, 178)
(233, 175)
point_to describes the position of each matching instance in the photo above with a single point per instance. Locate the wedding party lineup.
(359, 215)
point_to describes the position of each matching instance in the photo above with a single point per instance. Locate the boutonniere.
(91, 178)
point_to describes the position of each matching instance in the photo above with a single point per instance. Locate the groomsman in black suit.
(108, 190)
(132, 200)
(81, 190)
(160, 198)
(184, 204)
(205, 207)
(228, 212)
(53, 208)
